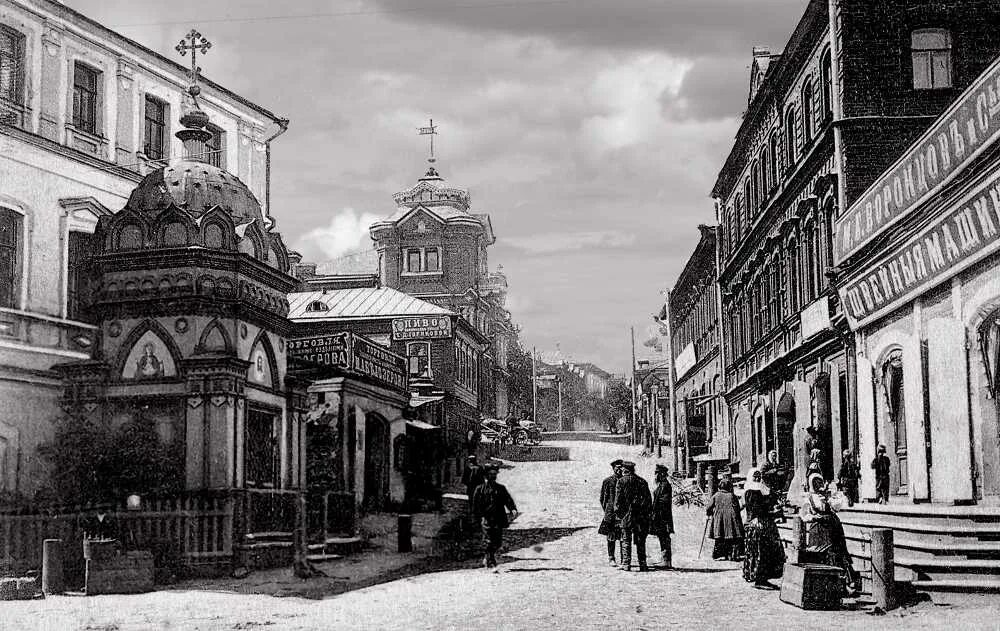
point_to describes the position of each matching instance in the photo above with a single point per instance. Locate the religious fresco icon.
(149, 359)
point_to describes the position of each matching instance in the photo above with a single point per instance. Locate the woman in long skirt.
(817, 510)
(725, 527)
(765, 557)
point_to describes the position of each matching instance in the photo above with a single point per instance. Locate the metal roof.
(358, 303)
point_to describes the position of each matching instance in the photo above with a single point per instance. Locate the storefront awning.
(421, 425)
(417, 400)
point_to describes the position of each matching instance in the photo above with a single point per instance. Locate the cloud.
(551, 243)
(347, 232)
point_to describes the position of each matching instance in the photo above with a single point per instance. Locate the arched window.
(738, 212)
(989, 345)
(214, 236)
(793, 276)
(931, 50)
(789, 138)
(11, 249)
(758, 191)
(827, 78)
(809, 288)
(174, 234)
(749, 201)
(773, 164)
(130, 237)
(765, 176)
(807, 111)
(782, 288)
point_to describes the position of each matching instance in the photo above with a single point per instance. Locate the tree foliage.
(92, 462)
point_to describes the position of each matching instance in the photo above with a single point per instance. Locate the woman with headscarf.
(765, 557)
(817, 510)
(725, 527)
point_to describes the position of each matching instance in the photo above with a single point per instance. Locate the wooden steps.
(937, 547)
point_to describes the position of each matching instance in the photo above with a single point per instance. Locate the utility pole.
(671, 378)
(632, 329)
(534, 388)
(559, 385)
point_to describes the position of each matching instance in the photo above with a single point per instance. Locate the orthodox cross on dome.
(430, 130)
(198, 42)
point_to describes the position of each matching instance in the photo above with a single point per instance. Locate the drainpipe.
(282, 128)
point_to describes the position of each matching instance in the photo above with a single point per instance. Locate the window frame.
(421, 253)
(77, 281)
(91, 123)
(15, 95)
(215, 147)
(807, 111)
(826, 78)
(410, 357)
(14, 279)
(150, 125)
(927, 57)
(790, 138)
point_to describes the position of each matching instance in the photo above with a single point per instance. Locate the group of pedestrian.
(632, 513)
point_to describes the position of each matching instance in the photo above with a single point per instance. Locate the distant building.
(697, 362)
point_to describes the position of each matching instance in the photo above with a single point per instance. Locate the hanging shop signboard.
(963, 234)
(353, 353)
(961, 134)
(421, 328)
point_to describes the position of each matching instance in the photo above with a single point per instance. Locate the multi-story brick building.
(435, 248)
(694, 326)
(837, 107)
(85, 113)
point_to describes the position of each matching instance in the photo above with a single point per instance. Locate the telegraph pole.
(671, 378)
(534, 388)
(559, 385)
(632, 329)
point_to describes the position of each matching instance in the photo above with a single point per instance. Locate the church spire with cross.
(194, 135)
(430, 130)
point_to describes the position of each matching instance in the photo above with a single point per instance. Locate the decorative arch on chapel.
(147, 332)
(263, 369)
(215, 339)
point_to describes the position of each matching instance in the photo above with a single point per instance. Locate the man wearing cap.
(881, 466)
(661, 517)
(490, 503)
(609, 525)
(632, 504)
(472, 477)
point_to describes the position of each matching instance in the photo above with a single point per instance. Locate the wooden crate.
(812, 586)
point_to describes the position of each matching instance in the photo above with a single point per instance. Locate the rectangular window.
(85, 82)
(931, 49)
(262, 454)
(155, 135)
(432, 260)
(413, 261)
(10, 254)
(77, 278)
(215, 147)
(11, 67)
(418, 357)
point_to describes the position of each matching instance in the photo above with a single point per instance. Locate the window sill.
(424, 274)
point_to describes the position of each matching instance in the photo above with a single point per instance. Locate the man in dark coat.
(661, 516)
(609, 525)
(491, 503)
(472, 477)
(881, 466)
(632, 504)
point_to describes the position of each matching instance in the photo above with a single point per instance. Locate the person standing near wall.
(881, 466)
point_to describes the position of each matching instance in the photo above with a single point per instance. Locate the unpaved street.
(554, 576)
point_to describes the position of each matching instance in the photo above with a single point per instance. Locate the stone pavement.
(554, 575)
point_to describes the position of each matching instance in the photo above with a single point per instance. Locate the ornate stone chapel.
(188, 290)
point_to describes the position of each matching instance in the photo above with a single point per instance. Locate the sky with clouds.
(590, 130)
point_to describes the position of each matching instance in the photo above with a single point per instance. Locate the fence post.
(883, 568)
(798, 540)
(404, 532)
(52, 567)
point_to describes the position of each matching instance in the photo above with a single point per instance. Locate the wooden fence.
(187, 530)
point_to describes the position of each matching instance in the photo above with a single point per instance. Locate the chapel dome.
(195, 187)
